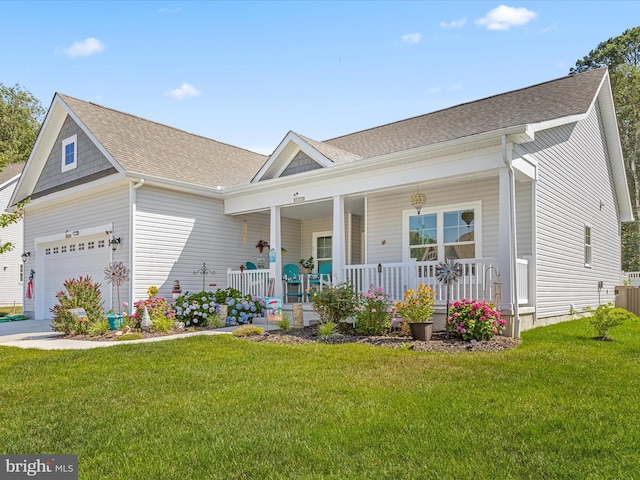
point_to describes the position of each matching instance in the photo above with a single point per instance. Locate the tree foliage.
(621, 55)
(21, 115)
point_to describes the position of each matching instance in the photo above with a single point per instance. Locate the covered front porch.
(480, 280)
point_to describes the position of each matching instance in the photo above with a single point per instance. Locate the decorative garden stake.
(204, 271)
(145, 324)
(448, 273)
(116, 274)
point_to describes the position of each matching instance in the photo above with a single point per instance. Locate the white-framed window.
(438, 233)
(587, 246)
(70, 153)
(322, 247)
(21, 273)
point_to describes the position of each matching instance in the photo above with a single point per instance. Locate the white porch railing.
(522, 270)
(477, 281)
(254, 282)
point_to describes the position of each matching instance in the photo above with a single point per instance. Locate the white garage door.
(72, 258)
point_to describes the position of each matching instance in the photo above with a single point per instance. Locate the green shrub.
(247, 331)
(80, 293)
(335, 304)
(327, 329)
(606, 317)
(98, 328)
(373, 312)
(162, 324)
(285, 323)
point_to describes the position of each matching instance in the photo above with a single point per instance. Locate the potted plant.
(416, 310)
(307, 264)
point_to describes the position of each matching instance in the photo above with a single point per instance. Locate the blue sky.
(246, 73)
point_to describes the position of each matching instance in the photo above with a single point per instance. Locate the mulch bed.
(438, 342)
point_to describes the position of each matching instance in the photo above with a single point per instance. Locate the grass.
(559, 406)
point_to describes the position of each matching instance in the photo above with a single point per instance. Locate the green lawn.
(559, 406)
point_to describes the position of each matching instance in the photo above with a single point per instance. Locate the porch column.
(504, 239)
(275, 242)
(338, 245)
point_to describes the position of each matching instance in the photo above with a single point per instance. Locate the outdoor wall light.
(115, 242)
(24, 256)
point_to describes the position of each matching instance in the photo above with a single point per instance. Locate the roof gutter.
(513, 253)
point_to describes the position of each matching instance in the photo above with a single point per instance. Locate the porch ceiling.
(299, 211)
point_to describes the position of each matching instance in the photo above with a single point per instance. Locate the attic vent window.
(70, 153)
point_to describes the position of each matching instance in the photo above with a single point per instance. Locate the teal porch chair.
(251, 266)
(292, 283)
(322, 278)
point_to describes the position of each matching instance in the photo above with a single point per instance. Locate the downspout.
(513, 253)
(132, 237)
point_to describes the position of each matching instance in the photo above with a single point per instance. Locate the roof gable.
(285, 160)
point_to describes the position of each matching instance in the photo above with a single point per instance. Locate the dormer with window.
(70, 153)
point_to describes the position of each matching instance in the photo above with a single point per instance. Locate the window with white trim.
(21, 273)
(70, 153)
(587, 246)
(322, 247)
(440, 233)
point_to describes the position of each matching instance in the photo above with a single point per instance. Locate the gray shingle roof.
(336, 155)
(558, 98)
(10, 171)
(146, 147)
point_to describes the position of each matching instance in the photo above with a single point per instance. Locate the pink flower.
(483, 318)
(494, 330)
(456, 315)
(373, 310)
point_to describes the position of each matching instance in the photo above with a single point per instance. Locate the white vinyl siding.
(573, 177)
(10, 262)
(92, 210)
(176, 233)
(385, 217)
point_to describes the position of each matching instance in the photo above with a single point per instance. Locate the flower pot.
(115, 321)
(421, 330)
(307, 270)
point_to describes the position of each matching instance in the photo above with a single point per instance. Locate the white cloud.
(503, 18)
(412, 38)
(454, 24)
(170, 10)
(433, 90)
(84, 48)
(184, 91)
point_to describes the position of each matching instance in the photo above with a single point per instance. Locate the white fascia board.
(614, 147)
(363, 167)
(556, 122)
(9, 182)
(44, 143)
(185, 187)
(272, 158)
(526, 166)
(384, 177)
(77, 192)
(276, 157)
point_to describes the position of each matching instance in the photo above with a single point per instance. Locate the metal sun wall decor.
(448, 273)
(116, 274)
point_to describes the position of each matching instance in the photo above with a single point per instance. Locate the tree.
(21, 115)
(621, 55)
(20, 120)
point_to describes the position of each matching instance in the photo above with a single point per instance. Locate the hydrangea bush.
(203, 308)
(373, 312)
(241, 309)
(474, 320)
(197, 309)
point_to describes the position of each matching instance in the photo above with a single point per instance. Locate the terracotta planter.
(421, 330)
